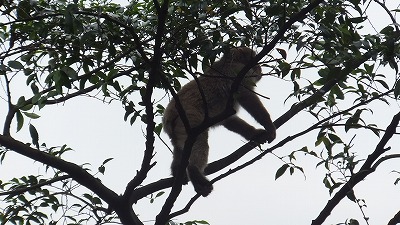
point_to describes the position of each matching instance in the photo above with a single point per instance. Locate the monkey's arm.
(252, 104)
(239, 126)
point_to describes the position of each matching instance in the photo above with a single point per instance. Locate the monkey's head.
(244, 55)
(241, 54)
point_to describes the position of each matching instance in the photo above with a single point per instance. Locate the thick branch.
(75, 171)
(117, 203)
(395, 220)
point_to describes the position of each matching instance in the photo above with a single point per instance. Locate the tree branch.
(384, 158)
(364, 171)
(121, 207)
(41, 184)
(75, 171)
(395, 220)
(13, 108)
(268, 47)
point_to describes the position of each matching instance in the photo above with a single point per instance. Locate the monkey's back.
(215, 86)
(215, 91)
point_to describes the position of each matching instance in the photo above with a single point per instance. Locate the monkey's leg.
(178, 138)
(239, 126)
(197, 162)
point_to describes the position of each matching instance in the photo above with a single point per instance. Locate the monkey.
(212, 90)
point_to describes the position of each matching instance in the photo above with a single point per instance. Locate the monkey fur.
(215, 85)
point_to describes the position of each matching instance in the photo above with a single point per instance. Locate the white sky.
(252, 196)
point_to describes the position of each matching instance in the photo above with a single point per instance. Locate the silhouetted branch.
(41, 184)
(395, 220)
(75, 171)
(234, 156)
(80, 175)
(364, 171)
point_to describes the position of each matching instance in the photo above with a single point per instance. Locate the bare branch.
(384, 158)
(382, 4)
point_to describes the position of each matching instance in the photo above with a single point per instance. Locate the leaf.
(34, 135)
(353, 222)
(20, 120)
(327, 183)
(102, 169)
(107, 160)
(350, 195)
(281, 171)
(383, 83)
(15, 65)
(158, 129)
(31, 115)
(159, 194)
(334, 138)
(284, 68)
(282, 52)
(71, 73)
(357, 19)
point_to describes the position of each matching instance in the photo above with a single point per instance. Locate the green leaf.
(107, 160)
(357, 19)
(352, 122)
(102, 169)
(20, 120)
(15, 65)
(96, 201)
(350, 195)
(34, 135)
(31, 115)
(334, 138)
(159, 194)
(327, 183)
(71, 73)
(383, 83)
(158, 129)
(285, 68)
(21, 101)
(353, 222)
(281, 171)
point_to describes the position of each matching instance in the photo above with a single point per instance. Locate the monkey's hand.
(261, 136)
(271, 133)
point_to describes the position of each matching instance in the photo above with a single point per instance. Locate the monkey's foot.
(201, 185)
(203, 189)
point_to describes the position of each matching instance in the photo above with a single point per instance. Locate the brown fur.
(215, 85)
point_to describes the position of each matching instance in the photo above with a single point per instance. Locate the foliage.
(55, 51)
